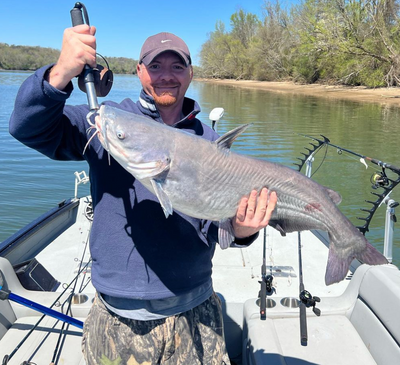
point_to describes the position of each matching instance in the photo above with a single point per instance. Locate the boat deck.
(237, 272)
(236, 277)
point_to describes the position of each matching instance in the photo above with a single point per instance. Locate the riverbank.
(385, 96)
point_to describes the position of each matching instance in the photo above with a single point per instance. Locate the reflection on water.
(277, 120)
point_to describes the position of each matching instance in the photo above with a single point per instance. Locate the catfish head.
(133, 141)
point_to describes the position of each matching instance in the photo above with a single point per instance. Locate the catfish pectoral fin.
(225, 233)
(334, 195)
(274, 223)
(162, 197)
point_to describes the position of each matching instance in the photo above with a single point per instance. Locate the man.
(155, 302)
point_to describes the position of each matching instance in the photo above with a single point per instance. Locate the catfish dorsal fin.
(227, 139)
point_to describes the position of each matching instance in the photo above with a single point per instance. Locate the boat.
(277, 308)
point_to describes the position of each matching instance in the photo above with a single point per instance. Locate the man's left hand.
(254, 214)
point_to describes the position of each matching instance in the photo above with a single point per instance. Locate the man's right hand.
(78, 49)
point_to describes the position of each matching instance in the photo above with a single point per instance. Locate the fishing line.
(57, 350)
(350, 156)
(323, 158)
(7, 358)
(83, 256)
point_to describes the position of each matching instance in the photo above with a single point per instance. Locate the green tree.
(214, 52)
(226, 55)
(272, 47)
(351, 42)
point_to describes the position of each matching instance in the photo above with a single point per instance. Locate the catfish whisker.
(90, 129)
(90, 139)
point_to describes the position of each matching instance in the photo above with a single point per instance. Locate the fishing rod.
(379, 180)
(265, 282)
(302, 306)
(341, 149)
(263, 291)
(306, 299)
(310, 153)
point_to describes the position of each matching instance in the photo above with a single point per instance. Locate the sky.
(122, 25)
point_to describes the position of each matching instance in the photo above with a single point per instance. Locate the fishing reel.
(379, 179)
(267, 281)
(103, 80)
(309, 301)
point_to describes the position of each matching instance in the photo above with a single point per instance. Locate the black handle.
(87, 73)
(76, 15)
(303, 324)
(263, 300)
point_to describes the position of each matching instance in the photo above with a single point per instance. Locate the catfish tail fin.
(372, 256)
(337, 267)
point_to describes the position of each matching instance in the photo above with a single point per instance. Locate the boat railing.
(80, 178)
(390, 219)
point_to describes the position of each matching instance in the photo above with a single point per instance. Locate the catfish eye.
(120, 135)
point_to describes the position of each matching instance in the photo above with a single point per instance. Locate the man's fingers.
(241, 211)
(262, 204)
(254, 213)
(272, 200)
(251, 205)
(257, 207)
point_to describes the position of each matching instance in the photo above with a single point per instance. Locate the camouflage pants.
(190, 338)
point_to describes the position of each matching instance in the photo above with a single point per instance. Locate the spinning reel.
(379, 179)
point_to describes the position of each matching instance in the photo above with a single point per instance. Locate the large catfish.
(206, 180)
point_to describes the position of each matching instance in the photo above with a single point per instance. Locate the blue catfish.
(206, 180)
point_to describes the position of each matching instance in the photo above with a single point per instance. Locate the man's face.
(166, 78)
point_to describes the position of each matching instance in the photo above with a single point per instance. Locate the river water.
(30, 183)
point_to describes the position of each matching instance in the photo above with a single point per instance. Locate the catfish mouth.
(144, 170)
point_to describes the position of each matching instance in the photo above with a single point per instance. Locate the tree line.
(27, 58)
(31, 58)
(351, 42)
(348, 42)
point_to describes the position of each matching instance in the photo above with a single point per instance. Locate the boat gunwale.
(23, 234)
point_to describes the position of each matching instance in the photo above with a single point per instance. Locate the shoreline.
(384, 96)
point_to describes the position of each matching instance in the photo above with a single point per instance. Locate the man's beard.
(165, 99)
